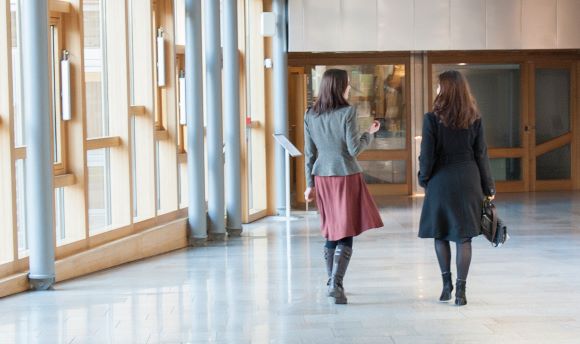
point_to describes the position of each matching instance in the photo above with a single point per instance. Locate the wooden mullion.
(498, 153)
(8, 228)
(531, 86)
(168, 98)
(408, 118)
(64, 180)
(59, 6)
(244, 92)
(383, 155)
(117, 60)
(388, 189)
(103, 142)
(510, 186)
(575, 114)
(525, 123)
(143, 33)
(553, 144)
(76, 195)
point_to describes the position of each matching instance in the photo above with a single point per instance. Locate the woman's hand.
(375, 126)
(491, 197)
(309, 194)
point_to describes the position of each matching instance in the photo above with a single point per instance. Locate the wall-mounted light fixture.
(182, 114)
(160, 58)
(268, 24)
(65, 87)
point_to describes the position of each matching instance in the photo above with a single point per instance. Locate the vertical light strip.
(160, 58)
(182, 112)
(65, 85)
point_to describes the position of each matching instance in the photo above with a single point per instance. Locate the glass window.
(17, 73)
(496, 89)
(57, 123)
(506, 169)
(554, 165)
(377, 92)
(99, 190)
(59, 223)
(255, 138)
(21, 207)
(95, 68)
(384, 172)
(552, 103)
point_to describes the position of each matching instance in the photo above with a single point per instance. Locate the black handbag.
(492, 227)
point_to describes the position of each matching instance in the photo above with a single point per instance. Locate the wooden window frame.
(60, 167)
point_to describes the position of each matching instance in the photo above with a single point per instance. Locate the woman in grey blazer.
(332, 143)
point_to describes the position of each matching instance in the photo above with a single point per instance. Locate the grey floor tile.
(268, 286)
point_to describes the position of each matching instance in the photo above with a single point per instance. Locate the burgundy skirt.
(346, 206)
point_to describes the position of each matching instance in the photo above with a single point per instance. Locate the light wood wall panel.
(568, 27)
(431, 24)
(295, 20)
(157, 240)
(503, 26)
(75, 197)
(335, 26)
(168, 182)
(395, 25)
(539, 24)
(322, 21)
(152, 242)
(7, 186)
(467, 24)
(359, 24)
(143, 61)
(179, 22)
(117, 44)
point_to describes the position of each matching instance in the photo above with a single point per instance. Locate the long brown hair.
(331, 93)
(455, 105)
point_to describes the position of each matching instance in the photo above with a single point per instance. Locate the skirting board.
(155, 241)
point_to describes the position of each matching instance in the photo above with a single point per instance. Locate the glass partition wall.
(527, 114)
(379, 91)
(497, 91)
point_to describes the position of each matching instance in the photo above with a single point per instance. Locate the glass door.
(497, 90)
(552, 127)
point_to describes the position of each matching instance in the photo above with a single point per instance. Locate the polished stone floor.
(268, 287)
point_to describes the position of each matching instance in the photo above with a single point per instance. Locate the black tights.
(463, 256)
(344, 242)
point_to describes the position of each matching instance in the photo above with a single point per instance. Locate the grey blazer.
(332, 143)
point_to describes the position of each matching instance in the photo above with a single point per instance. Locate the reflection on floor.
(268, 287)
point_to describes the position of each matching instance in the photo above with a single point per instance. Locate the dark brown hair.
(331, 92)
(454, 105)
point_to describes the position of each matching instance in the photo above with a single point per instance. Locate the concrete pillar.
(197, 220)
(213, 108)
(232, 116)
(280, 61)
(39, 164)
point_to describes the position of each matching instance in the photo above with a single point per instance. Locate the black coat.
(454, 170)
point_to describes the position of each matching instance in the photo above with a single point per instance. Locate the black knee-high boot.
(328, 259)
(342, 256)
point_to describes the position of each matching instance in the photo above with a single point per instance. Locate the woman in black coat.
(455, 172)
